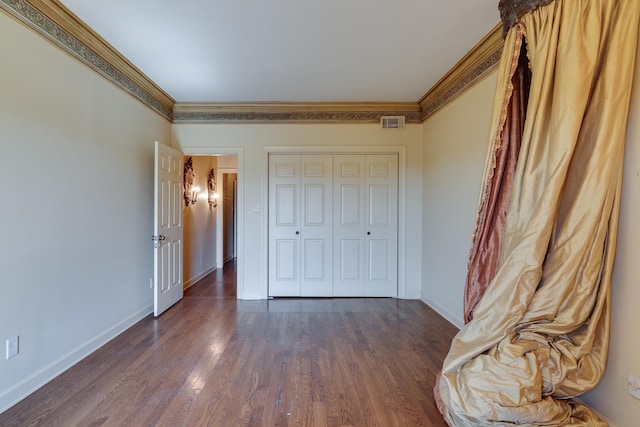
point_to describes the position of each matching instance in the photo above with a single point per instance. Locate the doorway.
(210, 223)
(227, 235)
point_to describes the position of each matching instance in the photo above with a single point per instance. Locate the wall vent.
(392, 122)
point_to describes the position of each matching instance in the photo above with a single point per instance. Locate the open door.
(167, 228)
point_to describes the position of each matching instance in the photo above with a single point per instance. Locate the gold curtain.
(539, 334)
(489, 231)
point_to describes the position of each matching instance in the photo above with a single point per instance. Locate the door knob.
(368, 233)
(297, 232)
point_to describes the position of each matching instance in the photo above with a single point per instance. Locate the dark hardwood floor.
(212, 360)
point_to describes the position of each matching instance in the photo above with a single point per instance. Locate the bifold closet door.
(300, 225)
(365, 225)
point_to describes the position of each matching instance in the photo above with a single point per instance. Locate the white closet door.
(300, 225)
(381, 239)
(365, 227)
(349, 225)
(316, 233)
(284, 225)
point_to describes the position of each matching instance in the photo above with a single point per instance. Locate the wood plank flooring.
(212, 360)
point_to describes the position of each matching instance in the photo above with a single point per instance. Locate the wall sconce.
(213, 195)
(190, 191)
(194, 194)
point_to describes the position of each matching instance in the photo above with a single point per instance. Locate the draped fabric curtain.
(490, 226)
(538, 332)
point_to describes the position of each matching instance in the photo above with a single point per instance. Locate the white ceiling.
(291, 50)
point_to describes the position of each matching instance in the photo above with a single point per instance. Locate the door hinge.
(157, 240)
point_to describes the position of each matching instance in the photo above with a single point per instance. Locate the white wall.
(252, 142)
(228, 162)
(453, 162)
(199, 232)
(76, 183)
(455, 145)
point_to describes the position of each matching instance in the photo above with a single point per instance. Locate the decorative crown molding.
(59, 25)
(55, 22)
(293, 112)
(475, 65)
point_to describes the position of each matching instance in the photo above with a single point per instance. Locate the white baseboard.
(250, 296)
(410, 295)
(24, 388)
(458, 323)
(194, 279)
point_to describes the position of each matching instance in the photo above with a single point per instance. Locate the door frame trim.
(400, 150)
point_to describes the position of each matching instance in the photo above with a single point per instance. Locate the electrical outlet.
(634, 386)
(12, 347)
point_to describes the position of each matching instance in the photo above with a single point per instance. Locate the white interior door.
(316, 231)
(167, 228)
(366, 225)
(333, 225)
(300, 225)
(349, 226)
(381, 239)
(284, 225)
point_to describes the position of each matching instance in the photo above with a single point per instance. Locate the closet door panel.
(349, 230)
(317, 224)
(287, 260)
(315, 260)
(350, 260)
(284, 225)
(382, 225)
(286, 205)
